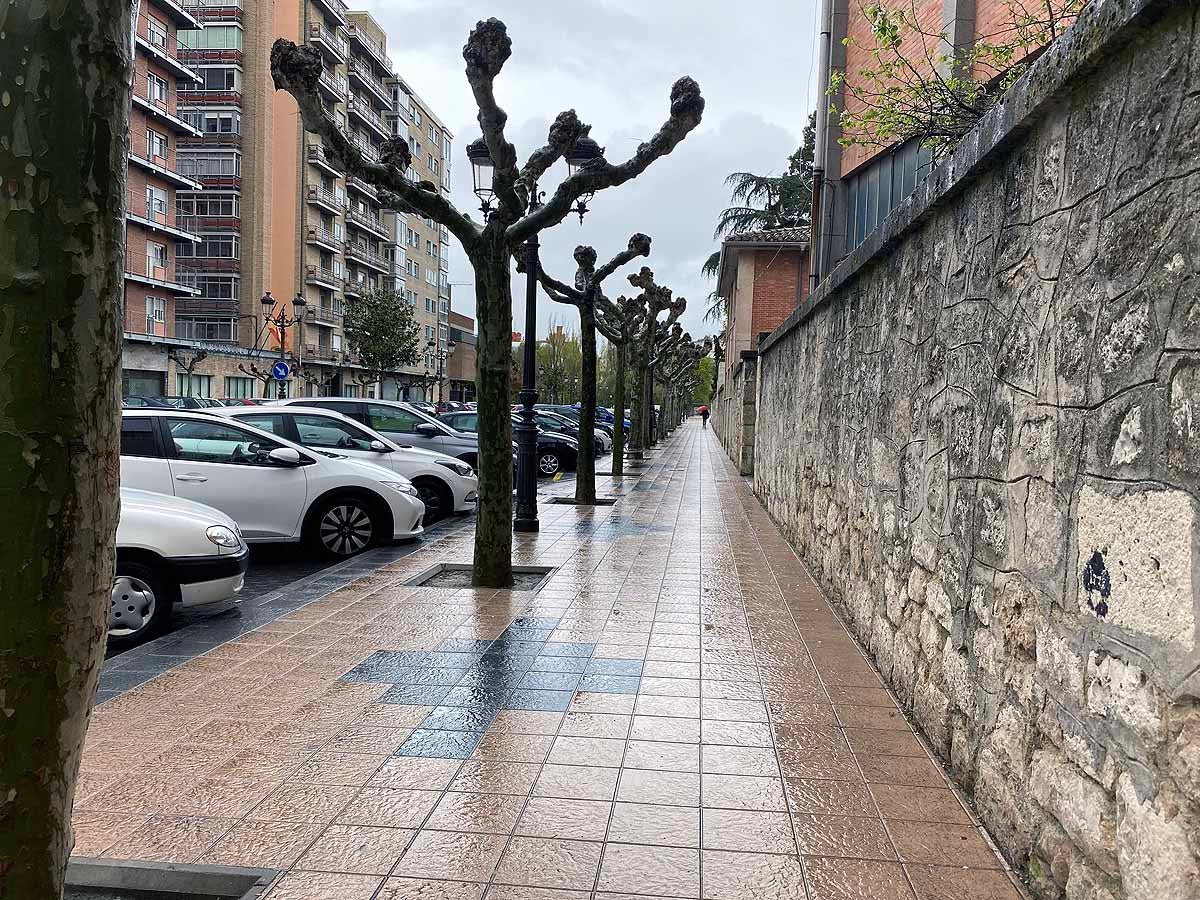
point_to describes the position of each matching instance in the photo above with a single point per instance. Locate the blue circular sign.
(281, 370)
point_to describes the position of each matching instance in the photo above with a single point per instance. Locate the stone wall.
(983, 437)
(733, 412)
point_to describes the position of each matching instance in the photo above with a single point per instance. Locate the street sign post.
(280, 371)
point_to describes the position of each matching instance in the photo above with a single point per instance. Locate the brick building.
(460, 368)
(859, 186)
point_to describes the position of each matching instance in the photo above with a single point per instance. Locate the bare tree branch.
(487, 50)
(564, 132)
(687, 107)
(296, 70)
(639, 245)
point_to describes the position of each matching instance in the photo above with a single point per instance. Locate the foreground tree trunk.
(618, 460)
(64, 123)
(585, 475)
(493, 526)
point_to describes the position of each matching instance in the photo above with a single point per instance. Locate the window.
(206, 329)
(412, 269)
(156, 145)
(214, 121)
(428, 306)
(429, 332)
(156, 204)
(432, 133)
(433, 166)
(392, 418)
(267, 422)
(210, 165)
(156, 260)
(466, 422)
(156, 89)
(874, 191)
(219, 79)
(193, 385)
(415, 147)
(353, 410)
(214, 246)
(213, 37)
(416, 117)
(431, 276)
(217, 287)
(239, 386)
(156, 314)
(139, 437)
(216, 442)
(211, 206)
(157, 32)
(322, 431)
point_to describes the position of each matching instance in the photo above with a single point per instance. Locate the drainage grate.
(570, 501)
(106, 879)
(458, 575)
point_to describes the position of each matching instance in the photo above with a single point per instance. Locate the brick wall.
(776, 280)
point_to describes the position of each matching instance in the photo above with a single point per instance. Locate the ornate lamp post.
(275, 314)
(442, 356)
(525, 431)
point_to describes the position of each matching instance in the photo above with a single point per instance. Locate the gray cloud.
(614, 62)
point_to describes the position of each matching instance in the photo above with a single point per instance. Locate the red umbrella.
(702, 409)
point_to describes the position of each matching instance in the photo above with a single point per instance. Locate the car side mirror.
(428, 430)
(285, 456)
(380, 447)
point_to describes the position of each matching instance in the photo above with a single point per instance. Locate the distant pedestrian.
(704, 417)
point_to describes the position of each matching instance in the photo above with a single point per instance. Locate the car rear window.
(138, 437)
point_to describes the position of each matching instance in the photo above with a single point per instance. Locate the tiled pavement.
(677, 713)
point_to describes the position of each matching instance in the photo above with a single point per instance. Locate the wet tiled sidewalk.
(676, 713)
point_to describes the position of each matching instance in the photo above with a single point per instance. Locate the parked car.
(274, 489)
(399, 421)
(556, 452)
(561, 420)
(170, 552)
(135, 402)
(191, 402)
(446, 485)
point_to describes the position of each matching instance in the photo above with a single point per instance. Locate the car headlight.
(223, 537)
(404, 487)
(457, 467)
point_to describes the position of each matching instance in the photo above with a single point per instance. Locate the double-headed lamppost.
(442, 356)
(275, 314)
(525, 431)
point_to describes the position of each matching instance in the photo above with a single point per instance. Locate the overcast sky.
(614, 62)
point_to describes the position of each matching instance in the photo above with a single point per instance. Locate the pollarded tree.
(64, 125)
(516, 216)
(584, 296)
(656, 300)
(381, 329)
(668, 338)
(620, 323)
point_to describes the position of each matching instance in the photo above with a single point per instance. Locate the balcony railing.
(366, 256)
(139, 208)
(366, 75)
(362, 187)
(319, 275)
(323, 237)
(320, 196)
(195, 96)
(323, 38)
(369, 222)
(320, 353)
(215, 10)
(376, 49)
(318, 157)
(172, 276)
(365, 146)
(324, 315)
(367, 114)
(335, 86)
(336, 8)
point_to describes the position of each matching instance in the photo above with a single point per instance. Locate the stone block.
(1121, 693)
(931, 710)
(1081, 806)
(1060, 665)
(1153, 845)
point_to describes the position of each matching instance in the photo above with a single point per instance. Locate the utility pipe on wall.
(818, 216)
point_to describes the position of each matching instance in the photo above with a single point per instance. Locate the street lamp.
(275, 314)
(525, 431)
(442, 356)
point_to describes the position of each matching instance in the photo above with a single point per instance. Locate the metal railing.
(321, 195)
(317, 154)
(376, 49)
(324, 314)
(365, 146)
(321, 275)
(174, 272)
(365, 111)
(366, 255)
(163, 42)
(336, 84)
(371, 223)
(365, 73)
(320, 32)
(320, 235)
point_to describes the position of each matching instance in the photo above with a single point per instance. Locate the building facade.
(254, 206)
(461, 367)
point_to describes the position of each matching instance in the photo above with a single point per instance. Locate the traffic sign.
(281, 370)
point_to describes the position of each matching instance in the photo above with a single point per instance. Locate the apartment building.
(460, 369)
(157, 277)
(425, 243)
(232, 198)
(862, 185)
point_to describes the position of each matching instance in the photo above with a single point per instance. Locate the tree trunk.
(618, 460)
(637, 390)
(585, 475)
(64, 124)
(493, 518)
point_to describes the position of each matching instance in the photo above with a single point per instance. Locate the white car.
(170, 551)
(446, 485)
(275, 490)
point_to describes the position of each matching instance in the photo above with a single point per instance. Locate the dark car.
(556, 452)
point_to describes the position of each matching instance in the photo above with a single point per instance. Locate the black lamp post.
(275, 314)
(525, 431)
(442, 356)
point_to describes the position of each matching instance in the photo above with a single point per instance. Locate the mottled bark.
(493, 361)
(585, 476)
(63, 151)
(618, 461)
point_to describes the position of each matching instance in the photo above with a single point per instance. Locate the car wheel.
(548, 462)
(344, 526)
(140, 607)
(437, 497)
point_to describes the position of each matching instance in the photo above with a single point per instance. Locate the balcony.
(375, 50)
(332, 86)
(365, 147)
(334, 47)
(213, 11)
(214, 56)
(322, 277)
(179, 12)
(139, 210)
(323, 315)
(164, 49)
(367, 257)
(323, 237)
(362, 110)
(160, 110)
(319, 353)
(335, 9)
(207, 307)
(213, 139)
(161, 166)
(222, 264)
(357, 184)
(203, 97)
(319, 158)
(195, 224)
(367, 222)
(169, 277)
(326, 200)
(365, 75)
